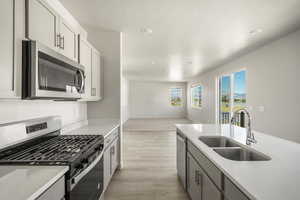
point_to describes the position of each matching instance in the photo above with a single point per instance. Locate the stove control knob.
(98, 148)
(79, 166)
(85, 161)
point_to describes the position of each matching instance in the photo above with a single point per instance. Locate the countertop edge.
(43, 189)
(243, 189)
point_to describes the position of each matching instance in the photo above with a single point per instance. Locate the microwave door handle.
(82, 82)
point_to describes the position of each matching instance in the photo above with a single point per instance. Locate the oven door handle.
(75, 180)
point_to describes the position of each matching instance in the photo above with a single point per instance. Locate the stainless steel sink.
(241, 154)
(218, 141)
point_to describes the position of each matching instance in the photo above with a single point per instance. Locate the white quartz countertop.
(27, 182)
(96, 127)
(277, 179)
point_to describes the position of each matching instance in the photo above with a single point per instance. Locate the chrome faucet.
(250, 135)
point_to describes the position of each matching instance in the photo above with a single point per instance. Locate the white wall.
(124, 99)
(273, 81)
(16, 110)
(152, 100)
(108, 43)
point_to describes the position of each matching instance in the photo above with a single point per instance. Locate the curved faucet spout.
(250, 135)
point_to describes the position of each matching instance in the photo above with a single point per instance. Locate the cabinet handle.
(63, 42)
(198, 177)
(58, 41)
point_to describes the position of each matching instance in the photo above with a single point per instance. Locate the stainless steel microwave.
(47, 74)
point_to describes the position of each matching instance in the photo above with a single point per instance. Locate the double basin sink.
(232, 150)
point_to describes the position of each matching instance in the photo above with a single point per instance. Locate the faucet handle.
(251, 141)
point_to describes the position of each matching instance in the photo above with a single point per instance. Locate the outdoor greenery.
(176, 96)
(196, 96)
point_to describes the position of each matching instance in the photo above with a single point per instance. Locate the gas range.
(39, 142)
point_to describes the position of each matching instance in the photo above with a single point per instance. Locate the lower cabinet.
(55, 192)
(199, 185)
(111, 157)
(204, 180)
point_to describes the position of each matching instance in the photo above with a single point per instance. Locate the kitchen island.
(274, 179)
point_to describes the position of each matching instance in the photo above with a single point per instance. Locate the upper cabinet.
(7, 49)
(49, 23)
(49, 28)
(68, 40)
(85, 59)
(90, 58)
(96, 85)
(42, 24)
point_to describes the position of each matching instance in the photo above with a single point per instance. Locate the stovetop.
(53, 150)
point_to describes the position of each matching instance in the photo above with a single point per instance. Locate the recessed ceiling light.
(146, 31)
(255, 32)
(153, 62)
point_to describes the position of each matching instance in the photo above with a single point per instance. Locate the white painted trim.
(202, 90)
(231, 75)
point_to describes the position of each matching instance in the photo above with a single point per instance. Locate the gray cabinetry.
(232, 192)
(111, 156)
(96, 93)
(194, 185)
(199, 185)
(204, 181)
(55, 192)
(68, 40)
(7, 48)
(213, 172)
(181, 159)
(42, 23)
(49, 28)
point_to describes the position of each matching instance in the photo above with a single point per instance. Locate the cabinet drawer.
(232, 192)
(212, 171)
(111, 137)
(55, 192)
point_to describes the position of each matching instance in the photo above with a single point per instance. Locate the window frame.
(232, 88)
(191, 96)
(182, 96)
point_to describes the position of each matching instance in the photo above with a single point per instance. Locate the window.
(176, 96)
(196, 96)
(232, 95)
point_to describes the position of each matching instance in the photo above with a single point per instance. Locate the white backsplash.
(15, 110)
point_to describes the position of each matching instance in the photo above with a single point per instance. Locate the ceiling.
(188, 37)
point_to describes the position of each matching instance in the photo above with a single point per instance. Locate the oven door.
(49, 75)
(88, 185)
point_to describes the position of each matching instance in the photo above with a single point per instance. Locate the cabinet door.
(194, 185)
(68, 40)
(209, 190)
(42, 23)
(181, 160)
(96, 75)
(107, 167)
(114, 155)
(56, 191)
(86, 61)
(7, 48)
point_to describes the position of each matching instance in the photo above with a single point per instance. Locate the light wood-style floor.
(149, 171)
(163, 124)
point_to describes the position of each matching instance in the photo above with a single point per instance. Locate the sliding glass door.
(232, 95)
